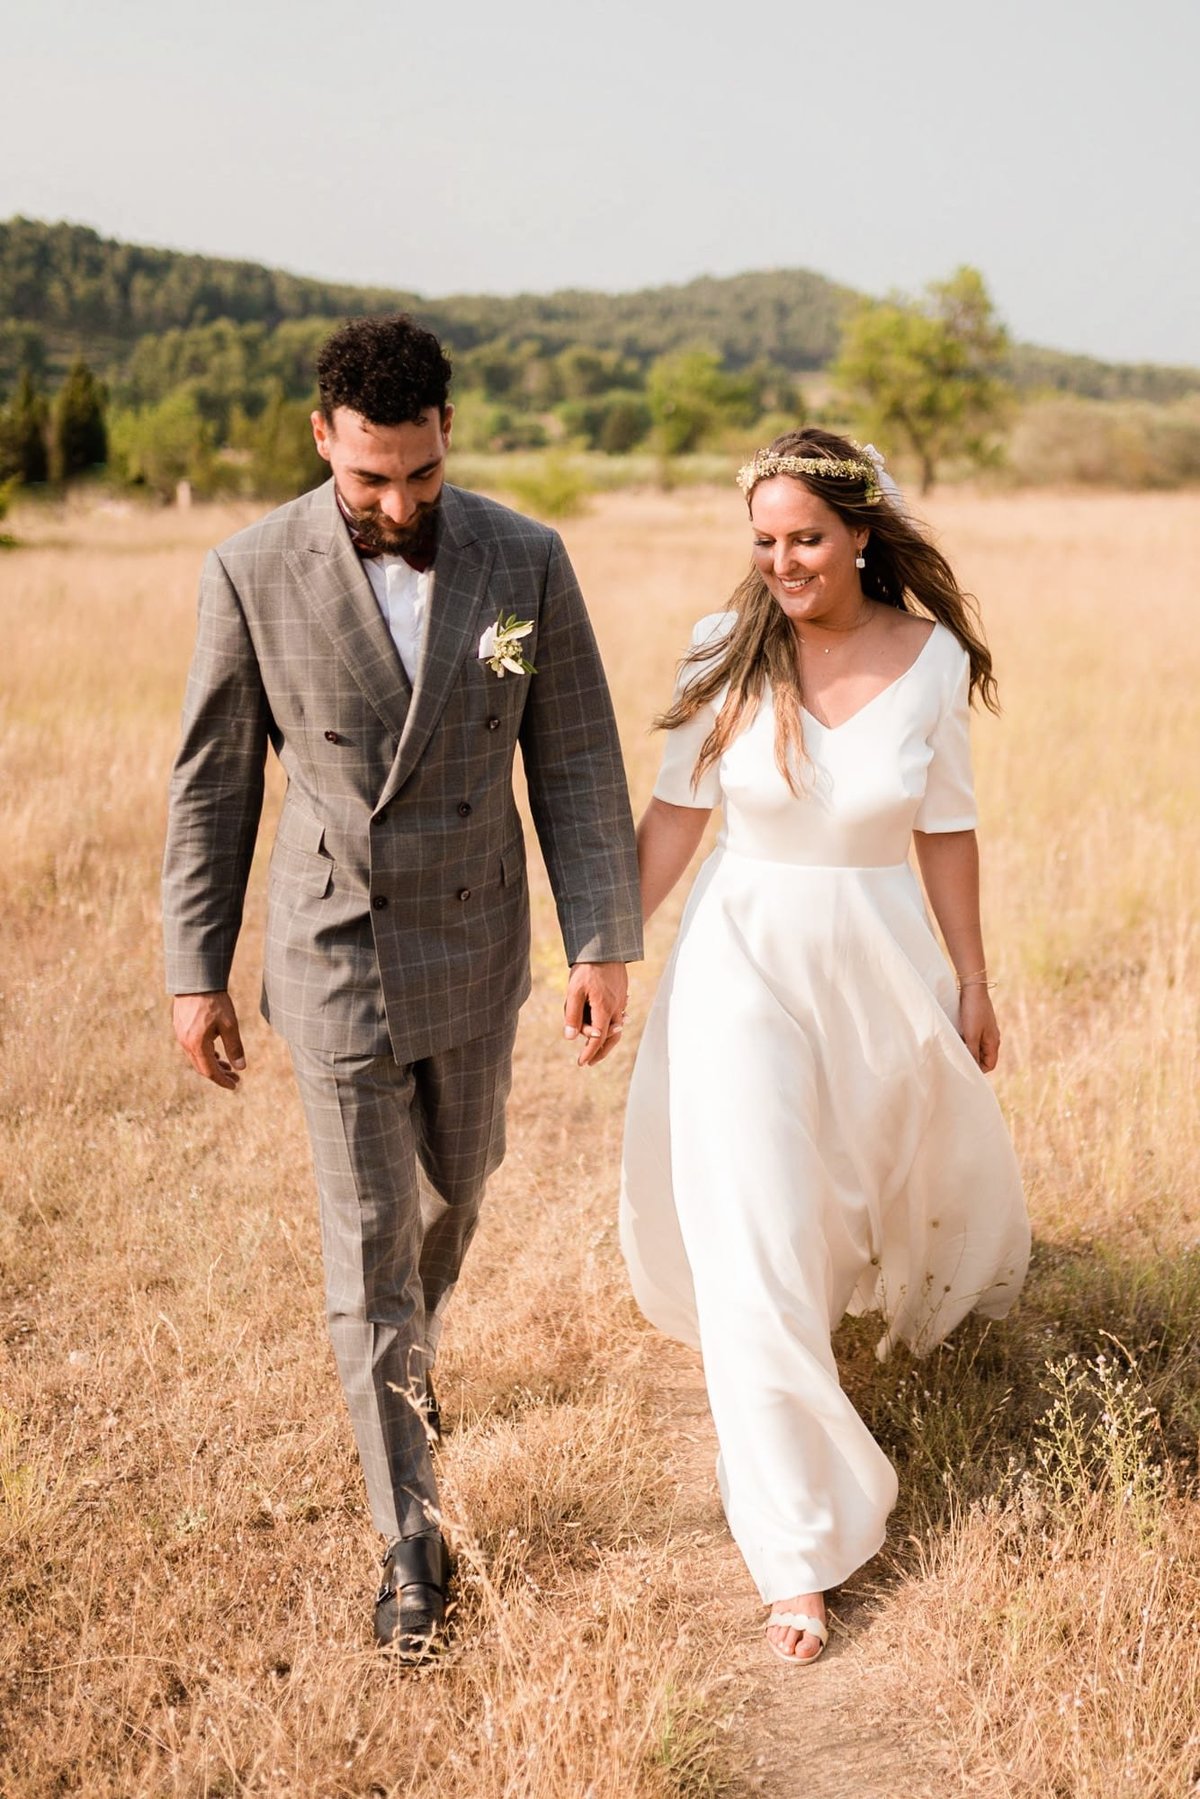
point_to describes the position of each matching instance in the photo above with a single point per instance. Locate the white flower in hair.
(887, 483)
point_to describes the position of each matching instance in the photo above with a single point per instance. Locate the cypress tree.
(78, 437)
(23, 433)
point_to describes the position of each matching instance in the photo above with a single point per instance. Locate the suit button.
(464, 893)
(379, 902)
(493, 724)
(332, 737)
(464, 809)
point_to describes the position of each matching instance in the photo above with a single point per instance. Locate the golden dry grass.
(186, 1560)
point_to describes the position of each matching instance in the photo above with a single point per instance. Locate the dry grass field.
(185, 1560)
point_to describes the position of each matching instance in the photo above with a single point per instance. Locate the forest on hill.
(80, 293)
(67, 291)
(203, 367)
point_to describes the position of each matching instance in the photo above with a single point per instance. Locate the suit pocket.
(512, 866)
(298, 860)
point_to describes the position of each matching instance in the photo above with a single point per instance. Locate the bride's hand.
(977, 1025)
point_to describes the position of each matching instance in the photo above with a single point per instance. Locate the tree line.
(40, 441)
(65, 290)
(218, 390)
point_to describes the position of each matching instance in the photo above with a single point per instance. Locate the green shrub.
(482, 427)
(614, 422)
(558, 489)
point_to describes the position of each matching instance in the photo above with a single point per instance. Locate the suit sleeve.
(216, 793)
(576, 778)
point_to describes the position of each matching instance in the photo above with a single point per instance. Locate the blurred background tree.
(277, 448)
(159, 446)
(22, 349)
(928, 375)
(692, 399)
(78, 437)
(24, 434)
(614, 422)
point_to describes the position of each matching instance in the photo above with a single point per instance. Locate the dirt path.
(795, 1732)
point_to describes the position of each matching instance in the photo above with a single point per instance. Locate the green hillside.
(65, 290)
(85, 293)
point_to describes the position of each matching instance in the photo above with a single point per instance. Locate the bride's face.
(805, 553)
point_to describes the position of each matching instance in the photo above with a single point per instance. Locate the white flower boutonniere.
(500, 646)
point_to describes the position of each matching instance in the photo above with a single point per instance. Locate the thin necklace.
(840, 630)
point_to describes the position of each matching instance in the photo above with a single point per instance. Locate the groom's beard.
(376, 535)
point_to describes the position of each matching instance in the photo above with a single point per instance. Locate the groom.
(359, 632)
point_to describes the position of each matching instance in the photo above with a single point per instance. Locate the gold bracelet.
(979, 979)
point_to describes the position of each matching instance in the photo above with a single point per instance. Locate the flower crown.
(864, 467)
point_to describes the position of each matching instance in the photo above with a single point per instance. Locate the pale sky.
(525, 146)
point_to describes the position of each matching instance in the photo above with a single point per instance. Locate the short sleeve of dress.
(949, 802)
(682, 746)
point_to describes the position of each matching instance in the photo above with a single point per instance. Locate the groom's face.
(389, 476)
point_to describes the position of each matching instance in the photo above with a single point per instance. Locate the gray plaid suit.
(398, 917)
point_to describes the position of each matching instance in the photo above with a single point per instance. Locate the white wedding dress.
(807, 1133)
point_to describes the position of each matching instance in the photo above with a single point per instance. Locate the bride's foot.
(796, 1629)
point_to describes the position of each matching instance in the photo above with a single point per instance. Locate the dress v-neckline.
(831, 730)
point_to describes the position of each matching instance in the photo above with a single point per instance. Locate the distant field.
(187, 1561)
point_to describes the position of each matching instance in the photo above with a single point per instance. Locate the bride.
(809, 1128)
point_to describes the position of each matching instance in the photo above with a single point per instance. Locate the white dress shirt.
(403, 594)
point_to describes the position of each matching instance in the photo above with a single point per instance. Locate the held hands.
(977, 1025)
(602, 988)
(199, 1019)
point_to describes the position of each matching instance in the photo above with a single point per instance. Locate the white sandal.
(802, 1622)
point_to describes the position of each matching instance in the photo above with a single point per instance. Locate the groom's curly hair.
(388, 370)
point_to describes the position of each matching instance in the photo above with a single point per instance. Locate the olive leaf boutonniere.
(500, 646)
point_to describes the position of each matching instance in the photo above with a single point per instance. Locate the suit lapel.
(344, 604)
(452, 630)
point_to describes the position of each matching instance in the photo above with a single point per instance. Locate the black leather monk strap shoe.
(410, 1607)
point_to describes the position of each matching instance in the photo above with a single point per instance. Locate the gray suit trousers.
(402, 1154)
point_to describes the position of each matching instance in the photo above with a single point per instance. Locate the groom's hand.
(199, 1019)
(595, 1008)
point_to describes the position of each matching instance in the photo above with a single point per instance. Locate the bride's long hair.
(903, 569)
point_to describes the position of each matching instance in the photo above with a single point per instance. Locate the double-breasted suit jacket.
(398, 913)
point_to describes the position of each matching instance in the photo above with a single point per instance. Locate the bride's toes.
(796, 1629)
